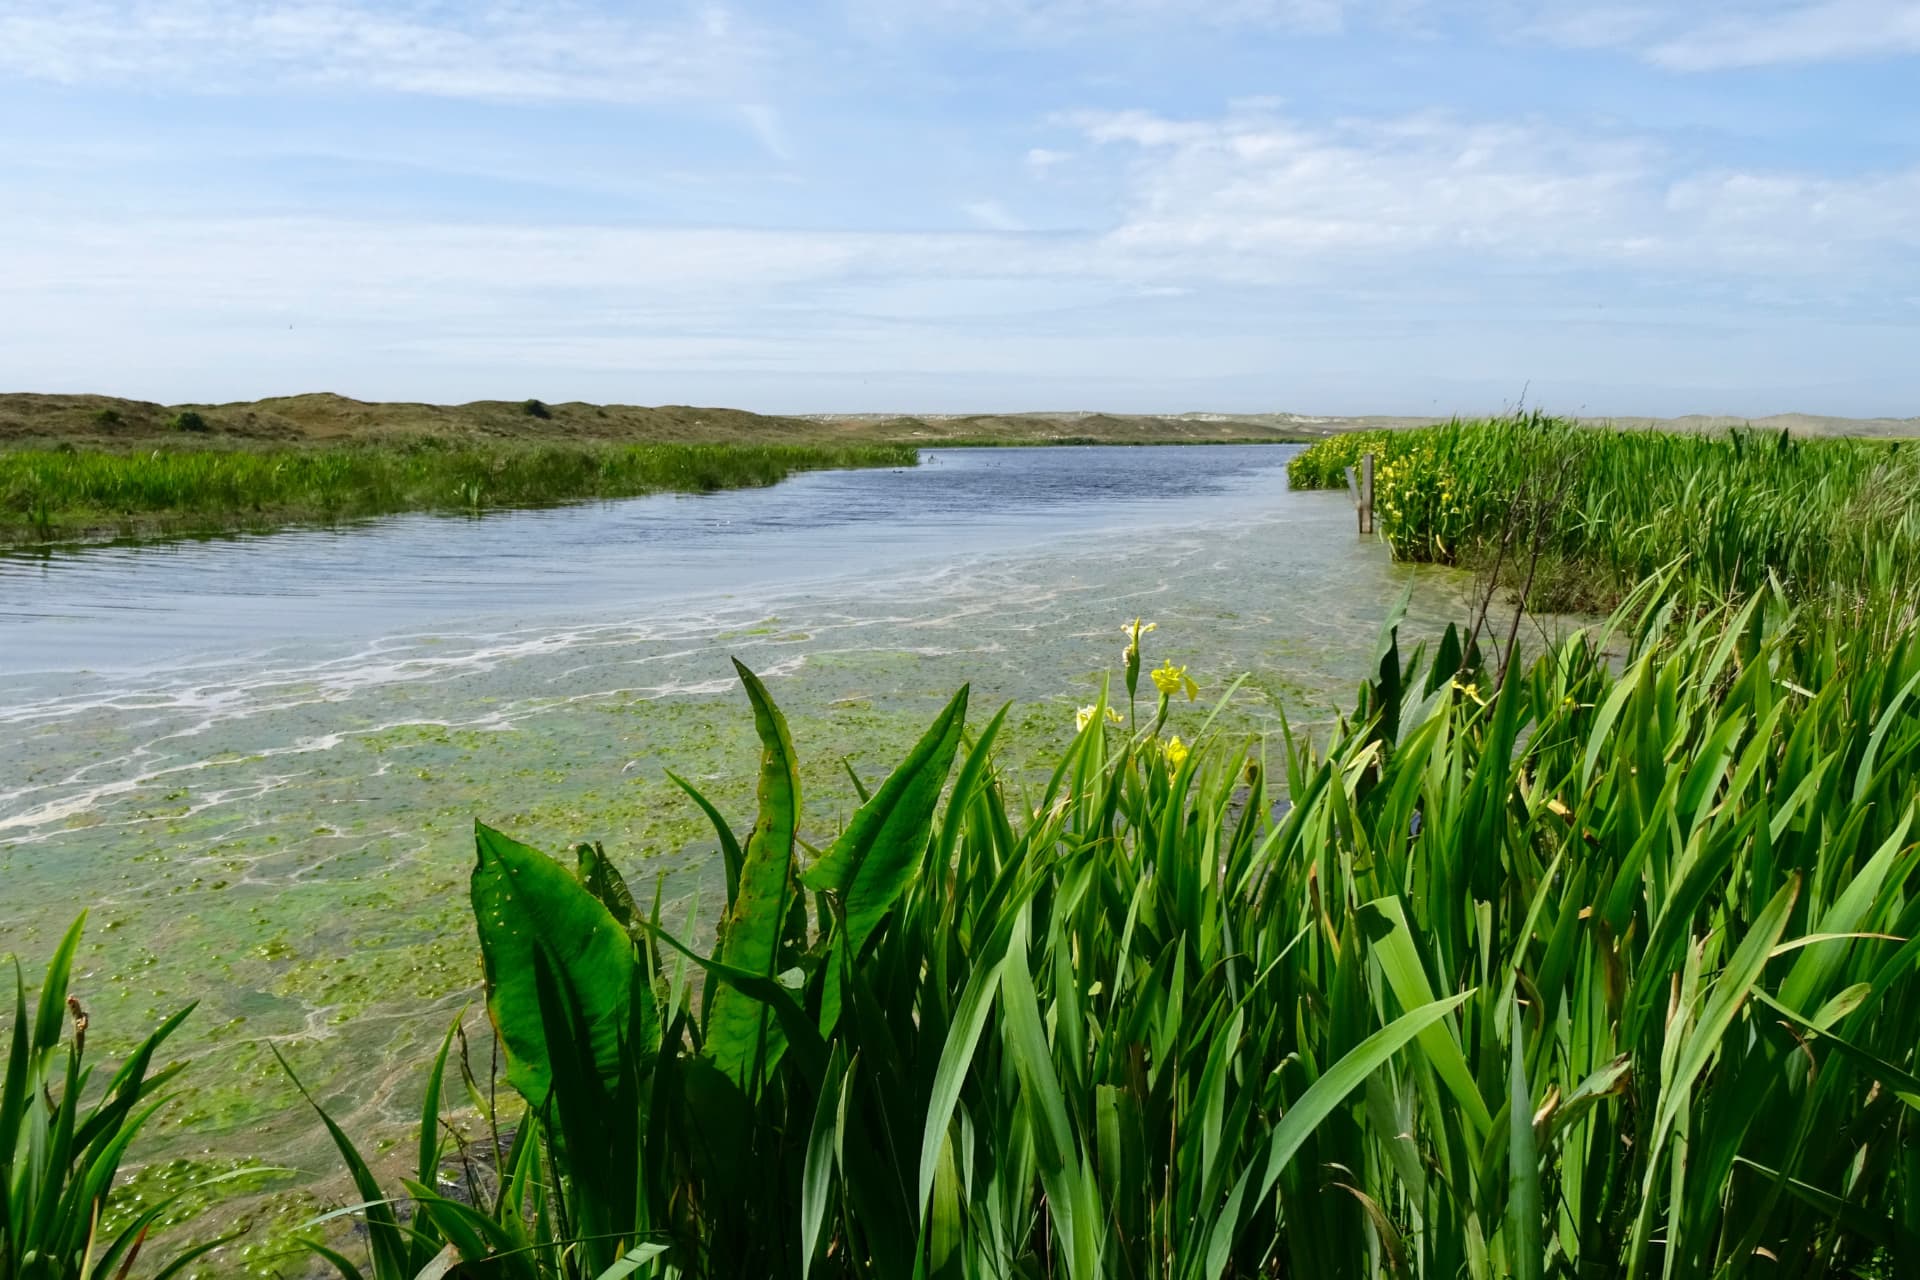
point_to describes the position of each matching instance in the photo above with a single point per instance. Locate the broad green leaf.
(631, 1261)
(527, 906)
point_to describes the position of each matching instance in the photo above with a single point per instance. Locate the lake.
(256, 759)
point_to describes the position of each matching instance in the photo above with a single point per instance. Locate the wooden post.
(1366, 493)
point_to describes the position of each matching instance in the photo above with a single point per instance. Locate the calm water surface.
(257, 759)
(144, 606)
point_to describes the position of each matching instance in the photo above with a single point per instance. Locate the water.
(256, 760)
(138, 607)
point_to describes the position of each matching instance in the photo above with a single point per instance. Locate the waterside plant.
(49, 495)
(63, 1140)
(1835, 518)
(1612, 969)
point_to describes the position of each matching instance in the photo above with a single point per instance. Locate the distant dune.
(28, 419)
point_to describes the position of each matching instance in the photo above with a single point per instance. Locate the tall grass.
(1614, 972)
(51, 494)
(1837, 518)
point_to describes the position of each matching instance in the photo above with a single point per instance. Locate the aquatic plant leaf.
(730, 855)
(631, 1261)
(881, 850)
(1400, 962)
(1307, 1114)
(1523, 1178)
(529, 909)
(743, 1038)
(816, 1183)
(383, 1227)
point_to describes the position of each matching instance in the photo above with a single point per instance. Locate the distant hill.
(332, 419)
(107, 421)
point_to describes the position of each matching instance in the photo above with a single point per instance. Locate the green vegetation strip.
(53, 495)
(1612, 970)
(1836, 518)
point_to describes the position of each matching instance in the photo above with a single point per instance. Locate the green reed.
(62, 1140)
(1835, 518)
(47, 495)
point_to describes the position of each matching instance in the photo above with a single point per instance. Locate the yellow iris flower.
(1133, 631)
(1176, 753)
(1169, 679)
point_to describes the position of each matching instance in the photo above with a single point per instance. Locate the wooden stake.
(1366, 493)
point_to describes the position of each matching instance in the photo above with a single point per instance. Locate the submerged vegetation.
(48, 495)
(1601, 963)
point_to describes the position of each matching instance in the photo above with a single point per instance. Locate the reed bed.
(1835, 518)
(48, 495)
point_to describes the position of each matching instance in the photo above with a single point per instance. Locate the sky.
(1316, 206)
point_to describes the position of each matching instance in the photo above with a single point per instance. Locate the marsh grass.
(1832, 518)
(48, 495)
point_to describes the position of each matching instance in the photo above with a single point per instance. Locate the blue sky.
(944, 205)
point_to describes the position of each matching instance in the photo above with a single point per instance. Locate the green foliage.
(188, 420)
(46, 494)
(1832, 518)
(107, 418)
(1614, 971)
(62, 1142)
(535, 409)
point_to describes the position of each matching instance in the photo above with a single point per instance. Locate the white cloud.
(1716, 35)
(495, 50)
(1272, 195)
(1255, 200)
(1043, 160)
(1826, 31)
(1260, 182)
(1047, 19)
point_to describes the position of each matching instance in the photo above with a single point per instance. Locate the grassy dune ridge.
(111, 422)
(50, 495)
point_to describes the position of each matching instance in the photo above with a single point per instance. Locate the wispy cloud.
(497, 51)
(1272, 194)
(1827, 31)
(1071, 18)
(1721, 35)
(992, 215)
(1043, 160)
